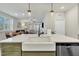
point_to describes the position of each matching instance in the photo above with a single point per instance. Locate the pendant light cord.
(29, 6)
(51, 6)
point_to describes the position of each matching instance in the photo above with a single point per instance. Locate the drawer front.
(7, 53)
(37, 53)
(10, 47)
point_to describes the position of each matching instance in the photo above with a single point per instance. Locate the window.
(1, 23)
(5, 24)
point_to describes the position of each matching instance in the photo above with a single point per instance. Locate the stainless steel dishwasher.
(67, 49)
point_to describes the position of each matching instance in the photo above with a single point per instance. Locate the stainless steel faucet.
(39, 31)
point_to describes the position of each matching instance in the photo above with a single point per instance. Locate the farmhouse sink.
(43, 43)
(39, 39)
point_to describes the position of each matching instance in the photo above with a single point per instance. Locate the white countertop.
(39, 45)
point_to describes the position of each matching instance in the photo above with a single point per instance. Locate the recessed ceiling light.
(16, 14)
(62, 7)
(19, 14)
(23, 14)
(34, 19)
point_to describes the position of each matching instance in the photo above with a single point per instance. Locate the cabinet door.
(60, 27)
(10, 49)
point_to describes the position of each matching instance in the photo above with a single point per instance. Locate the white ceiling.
(38, 9)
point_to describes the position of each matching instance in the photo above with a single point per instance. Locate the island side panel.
(11, 49)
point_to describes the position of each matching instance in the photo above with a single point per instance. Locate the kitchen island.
(32, 45)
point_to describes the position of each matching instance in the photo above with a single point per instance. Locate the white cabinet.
(72, 22)
(60, 27)
(59, 23)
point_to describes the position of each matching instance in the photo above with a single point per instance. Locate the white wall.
(48, 22)
(72, 22)
(15, 21)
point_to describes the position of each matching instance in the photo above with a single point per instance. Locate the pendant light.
(29, 11)
(51, 11)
